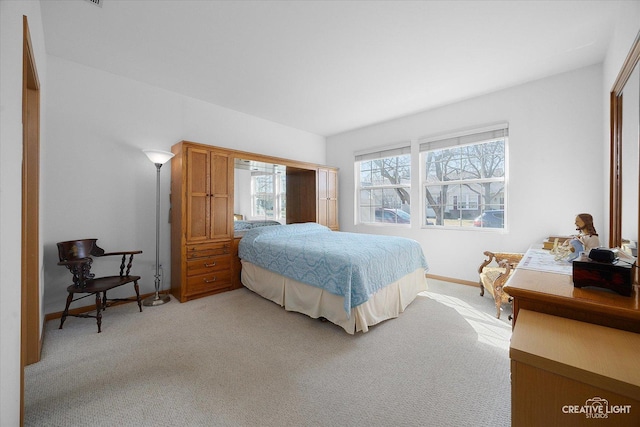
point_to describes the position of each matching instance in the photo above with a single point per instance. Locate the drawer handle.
(210, 265)
(209, 281)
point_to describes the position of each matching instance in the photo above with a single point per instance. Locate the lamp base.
(154, 300)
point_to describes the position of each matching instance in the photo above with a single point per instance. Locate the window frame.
(279, 188)
(476, 137)
(401, 150)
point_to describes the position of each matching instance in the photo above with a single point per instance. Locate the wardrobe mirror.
(625, 154)
(630, 154)
(260, 191)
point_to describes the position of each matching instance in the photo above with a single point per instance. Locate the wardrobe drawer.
(208, 250)
(208, 265)
(208, 282)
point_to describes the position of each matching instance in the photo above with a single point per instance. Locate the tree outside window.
(267, 198)
(385, 190)
(465, 184)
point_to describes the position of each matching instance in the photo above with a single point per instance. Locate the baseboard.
(453, 280)
(88, 308)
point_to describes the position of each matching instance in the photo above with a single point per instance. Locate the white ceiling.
(330, 66)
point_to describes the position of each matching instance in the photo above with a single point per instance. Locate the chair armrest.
(490, 256)
(501, 280)
(508, 266)
(123, 264)
(502, 259)
(120, 253)
(512, 258)
(508, 260)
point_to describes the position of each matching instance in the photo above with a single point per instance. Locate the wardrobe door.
(221, 196)
(198, 194)
(328, 198)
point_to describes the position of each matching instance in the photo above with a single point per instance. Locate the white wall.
(11, 16)
(98, 182)
(624, 33)
(555, 166)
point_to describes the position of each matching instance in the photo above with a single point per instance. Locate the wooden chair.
(77, 255)
(493, 277)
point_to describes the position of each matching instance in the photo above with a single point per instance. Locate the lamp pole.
(158, 158)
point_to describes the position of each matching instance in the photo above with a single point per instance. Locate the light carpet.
(236, 359)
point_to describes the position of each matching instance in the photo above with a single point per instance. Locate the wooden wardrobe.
(204, 250)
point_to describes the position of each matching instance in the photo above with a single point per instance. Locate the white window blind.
(465, 138)
(381, 153)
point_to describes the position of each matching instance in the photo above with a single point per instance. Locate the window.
(384, 186)
(464, 179)
(267, 195)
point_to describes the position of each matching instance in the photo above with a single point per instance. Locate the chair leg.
(135, 286)
(497, 292)
(65, 313)
(481, 288)
(98, 313)
(498, 304)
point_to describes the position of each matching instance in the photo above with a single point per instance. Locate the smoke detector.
(96, 2)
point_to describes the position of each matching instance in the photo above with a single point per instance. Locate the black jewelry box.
(616, 276)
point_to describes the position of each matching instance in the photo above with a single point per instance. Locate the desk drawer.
(208, 282)
(208, 265)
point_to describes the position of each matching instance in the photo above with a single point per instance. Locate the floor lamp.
(158, 158)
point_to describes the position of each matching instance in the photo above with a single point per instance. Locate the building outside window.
(464, 179)
(383, 180)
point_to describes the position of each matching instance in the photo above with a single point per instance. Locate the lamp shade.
(158, 156)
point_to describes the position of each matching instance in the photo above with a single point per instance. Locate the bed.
(353, 280)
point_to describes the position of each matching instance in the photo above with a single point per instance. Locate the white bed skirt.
(315, 302)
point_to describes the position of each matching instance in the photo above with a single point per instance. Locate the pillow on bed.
(262, 223)
(287, 230)
(246, 225)
(241, 225)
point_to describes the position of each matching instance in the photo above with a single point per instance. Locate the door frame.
(30, 342)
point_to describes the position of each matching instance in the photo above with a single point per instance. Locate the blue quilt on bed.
(351, 265)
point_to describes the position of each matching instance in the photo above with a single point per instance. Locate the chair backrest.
(77, 249)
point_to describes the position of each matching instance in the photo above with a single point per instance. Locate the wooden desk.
(554, 294)
(570, 373)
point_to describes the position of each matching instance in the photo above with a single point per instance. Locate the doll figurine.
(586, 239)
